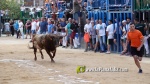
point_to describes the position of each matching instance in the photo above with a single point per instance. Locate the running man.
(137, 41)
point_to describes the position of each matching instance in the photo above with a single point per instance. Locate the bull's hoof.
(42, 57)
(35, 59)
(52, 61)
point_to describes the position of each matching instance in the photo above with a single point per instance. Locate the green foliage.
(13, 6)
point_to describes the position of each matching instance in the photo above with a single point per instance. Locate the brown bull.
(48, 42)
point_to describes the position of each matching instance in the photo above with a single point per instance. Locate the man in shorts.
(137, 41)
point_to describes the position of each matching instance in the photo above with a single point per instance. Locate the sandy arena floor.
(17, 66)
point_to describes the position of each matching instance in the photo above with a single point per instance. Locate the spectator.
(110, 36)
(7, 28)
(16, 26)
(62, 29)
(77, 8)
(68, 31)
(50, 27)
(117, 33)
(101, 27)
(43, 26)
(142, 28)
(129, 47)
(38, 26)
(12, 27)
(21, 29)
(87, 30)
(97, 33)
(124, 36)
(74, 30)
(33, 27)
(28, 29)
(93, 34)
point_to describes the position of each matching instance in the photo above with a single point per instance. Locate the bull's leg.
(35, 50)
(54, 53)
(41, 54)
(48, 52)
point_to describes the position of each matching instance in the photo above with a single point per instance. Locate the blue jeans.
(42, 32)
(102, 41)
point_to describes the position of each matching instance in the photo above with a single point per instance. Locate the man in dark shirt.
(73, 28)
(43, 26)
(141, 27)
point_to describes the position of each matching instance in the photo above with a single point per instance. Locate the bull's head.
(55, 39)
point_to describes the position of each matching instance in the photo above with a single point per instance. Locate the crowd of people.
(100, 36)
(97, 35)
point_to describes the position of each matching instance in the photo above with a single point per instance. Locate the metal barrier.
(111, 5)
(105, 16)
(141, 5)
(119, 16)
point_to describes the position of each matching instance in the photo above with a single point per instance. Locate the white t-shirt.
(7, 26)
(20, 25)
(88, 28)
(38, 9)
(101, 28)
(38, 25)
(110, 30)
(22, 8)
(126, 29)
(33, 25)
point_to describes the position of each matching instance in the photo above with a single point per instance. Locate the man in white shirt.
(33, 27)
(124, 36)
(21, 28)
(38, 26)
(87, 30)
(102, 35)
(110, 36)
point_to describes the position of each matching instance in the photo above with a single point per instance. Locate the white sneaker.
(108, 52)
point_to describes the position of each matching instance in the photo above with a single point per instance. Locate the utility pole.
(0, 24)
(34, 3)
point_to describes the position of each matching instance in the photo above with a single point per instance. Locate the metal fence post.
(0, 24)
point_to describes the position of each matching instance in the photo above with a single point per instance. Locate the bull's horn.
(29, 46)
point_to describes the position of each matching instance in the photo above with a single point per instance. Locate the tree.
(13, 6)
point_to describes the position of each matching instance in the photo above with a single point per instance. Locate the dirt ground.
(17, 66)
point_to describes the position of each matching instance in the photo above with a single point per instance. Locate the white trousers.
(146, 44)
(64, 39)
(76, 42)
(22, 34)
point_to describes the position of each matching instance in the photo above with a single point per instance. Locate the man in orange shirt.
(137, 41)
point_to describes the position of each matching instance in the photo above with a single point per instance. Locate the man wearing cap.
(124, 36)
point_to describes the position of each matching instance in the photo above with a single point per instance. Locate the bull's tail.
(30, 47)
